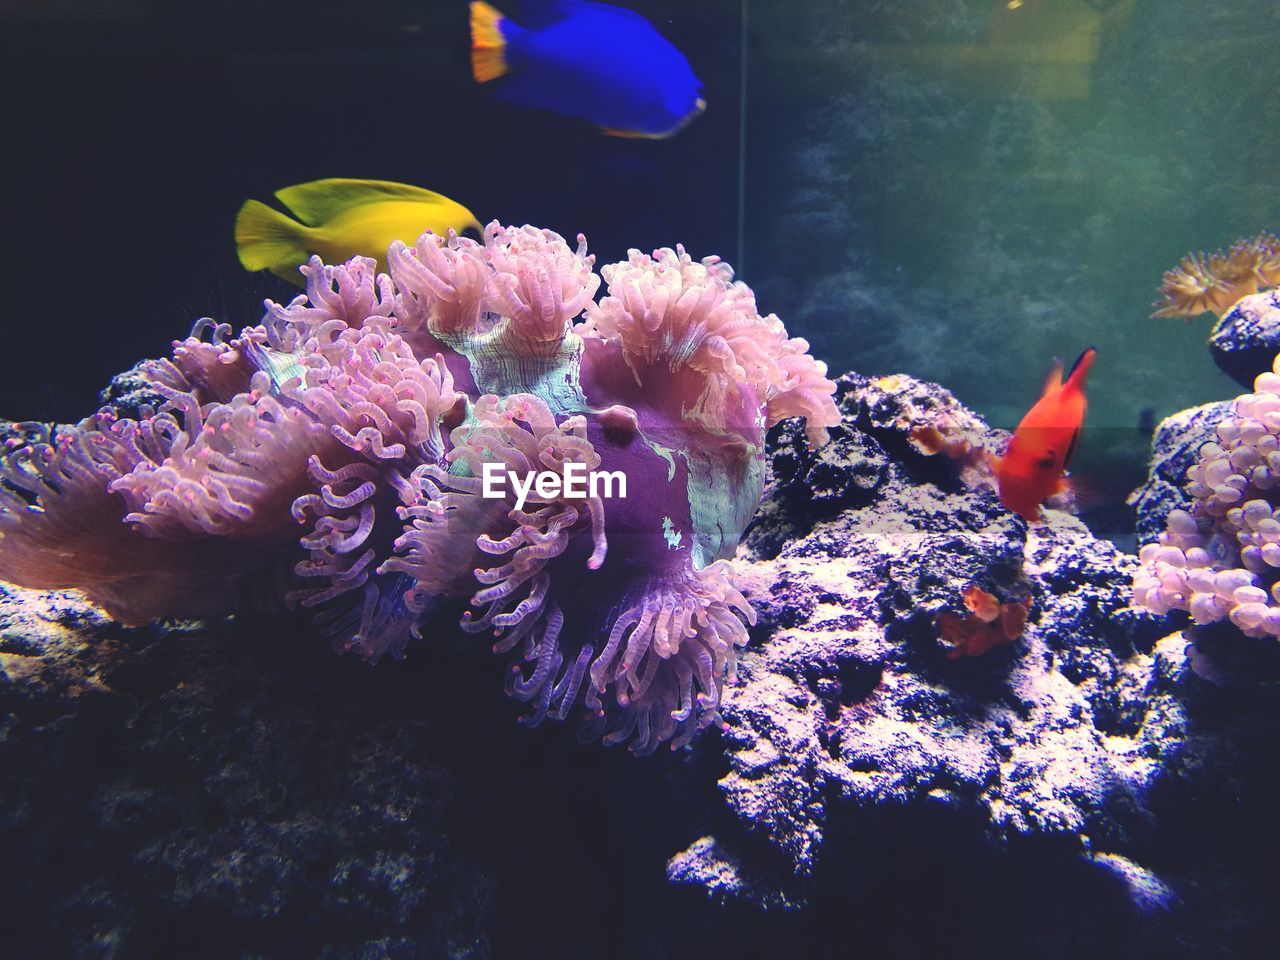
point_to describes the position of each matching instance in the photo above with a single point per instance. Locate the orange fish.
(1030, 472)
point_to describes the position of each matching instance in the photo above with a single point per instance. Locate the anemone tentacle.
(334, 458)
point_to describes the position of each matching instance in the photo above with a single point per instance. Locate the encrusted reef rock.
(234, 789)
(1247, 338)
(852, 733)
(185, 791)
(852, 698)
(1175, 448)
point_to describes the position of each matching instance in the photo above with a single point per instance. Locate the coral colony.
(1215, 282)
(473, 427)
(1221, 559)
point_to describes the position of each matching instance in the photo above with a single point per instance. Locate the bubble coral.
(1221, 558)
(1215, 282)
(332, 458)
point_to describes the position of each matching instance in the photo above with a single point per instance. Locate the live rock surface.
(236, 789)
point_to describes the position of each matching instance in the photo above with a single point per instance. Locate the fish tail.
(266, 239)
(488, 46)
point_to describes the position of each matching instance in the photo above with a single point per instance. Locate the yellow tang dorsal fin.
(319, 201)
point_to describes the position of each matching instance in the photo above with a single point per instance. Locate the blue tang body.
(589, 60)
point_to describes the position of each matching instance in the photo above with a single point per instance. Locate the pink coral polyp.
(332, 459)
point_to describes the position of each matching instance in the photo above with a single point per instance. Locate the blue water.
(964, 190)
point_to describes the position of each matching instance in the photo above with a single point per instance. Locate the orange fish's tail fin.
(1080, 369)
(488, 46)
(268, 240)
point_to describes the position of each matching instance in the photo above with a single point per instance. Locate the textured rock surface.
(1175, 447)
(190, 792)
(852, 697)
(849, 714)
(239, 790)
(129, 393)
(1246, 340)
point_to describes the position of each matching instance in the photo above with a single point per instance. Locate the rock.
(177, 786)
(130, 392)
(1148, 891)
(1244, 343)
(1175, 448)
(1078, 791)
(725, 877)
(851, 701)
(852, 736)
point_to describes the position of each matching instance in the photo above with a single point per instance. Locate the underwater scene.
(648, 479)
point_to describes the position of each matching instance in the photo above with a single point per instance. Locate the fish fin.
(1072, 444)
(266, 239)
(319, 201)
(1080, 369)
(488, 45)
(698, 107)
(1088, 492)
(1053, 382)
(632, 134)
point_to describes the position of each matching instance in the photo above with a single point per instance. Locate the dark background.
(134, 129)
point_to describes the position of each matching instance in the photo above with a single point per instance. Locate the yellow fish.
(341, 219)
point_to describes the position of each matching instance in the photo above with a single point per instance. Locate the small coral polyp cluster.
(1221, 559)
(364, 412)
(1203, 283)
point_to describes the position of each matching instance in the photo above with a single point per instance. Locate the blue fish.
(589, 60)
